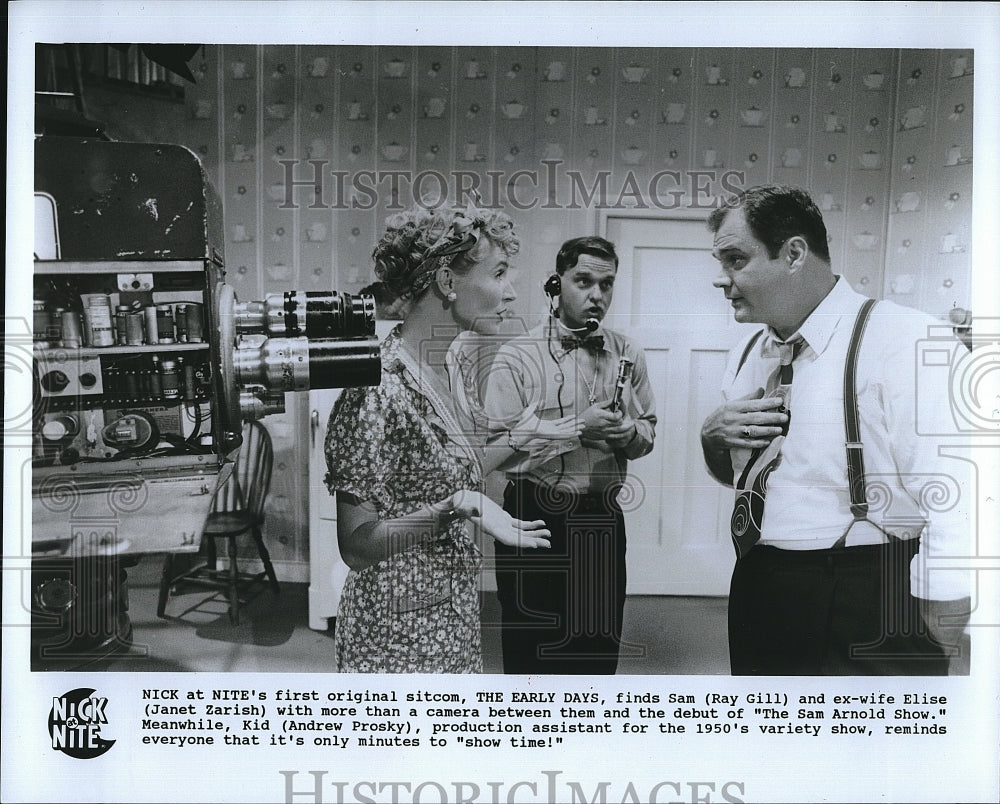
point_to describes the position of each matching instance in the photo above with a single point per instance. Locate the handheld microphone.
(624, 373)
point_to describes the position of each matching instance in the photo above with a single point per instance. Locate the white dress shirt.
(904, 405)
(532, 372)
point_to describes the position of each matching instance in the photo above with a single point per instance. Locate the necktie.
(748, 511)
(593, 343)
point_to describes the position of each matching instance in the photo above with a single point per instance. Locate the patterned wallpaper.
(927, 244)
(882, 138)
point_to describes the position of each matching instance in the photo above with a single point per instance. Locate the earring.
(452, 296)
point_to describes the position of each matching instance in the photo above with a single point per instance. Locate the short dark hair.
(774, 213)
(571, 250)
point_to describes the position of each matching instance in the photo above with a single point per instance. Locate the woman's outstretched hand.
(486, 514)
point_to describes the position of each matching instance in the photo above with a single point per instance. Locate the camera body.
(145, 368)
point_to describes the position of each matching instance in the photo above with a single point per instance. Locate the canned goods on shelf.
(121, 324)
(193, 322)
(169, 379)
(97, 327)
(134, 329)
(70, 320)
(40, 320)
(180, 322)
(165, 324)
(149, 315)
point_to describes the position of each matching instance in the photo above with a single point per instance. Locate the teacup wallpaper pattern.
(882, 138)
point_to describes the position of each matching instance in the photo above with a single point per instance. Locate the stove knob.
(55, 382)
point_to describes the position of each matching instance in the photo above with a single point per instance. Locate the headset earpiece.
(553, 286)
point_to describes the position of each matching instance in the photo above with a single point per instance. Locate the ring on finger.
(746, 432)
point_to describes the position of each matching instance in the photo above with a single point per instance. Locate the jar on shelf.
(97, 327)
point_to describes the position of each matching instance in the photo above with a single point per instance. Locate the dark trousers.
(562, 607)
(829, 612)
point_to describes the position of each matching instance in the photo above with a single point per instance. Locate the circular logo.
(75, 723)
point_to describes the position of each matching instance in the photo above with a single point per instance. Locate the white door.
(327, 570)
(678, 525)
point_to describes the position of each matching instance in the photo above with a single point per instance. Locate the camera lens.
(314, 314)
(298, 364)
(329, 314)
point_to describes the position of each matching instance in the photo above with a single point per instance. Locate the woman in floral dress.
(407, 470)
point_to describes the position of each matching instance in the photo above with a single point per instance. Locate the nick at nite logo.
(75, 723)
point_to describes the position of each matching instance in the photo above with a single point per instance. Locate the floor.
(663, 635)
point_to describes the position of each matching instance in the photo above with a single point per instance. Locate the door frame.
(718, 586)
(604, 216)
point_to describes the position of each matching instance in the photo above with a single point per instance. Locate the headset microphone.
(553, 288)
(590, 325)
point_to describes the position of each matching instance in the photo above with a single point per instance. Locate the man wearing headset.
(562, 608)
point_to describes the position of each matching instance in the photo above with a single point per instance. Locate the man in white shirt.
(827, 590)
(562, 613)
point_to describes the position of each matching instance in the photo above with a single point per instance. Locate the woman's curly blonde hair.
(419, 241)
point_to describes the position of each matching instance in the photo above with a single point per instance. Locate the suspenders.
(746, 352)
(852, 419)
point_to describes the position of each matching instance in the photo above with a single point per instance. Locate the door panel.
(327, 570)
(678, 523)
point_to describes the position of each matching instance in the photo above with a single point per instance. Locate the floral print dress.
(399, 446)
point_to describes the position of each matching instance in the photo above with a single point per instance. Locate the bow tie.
(592, 343)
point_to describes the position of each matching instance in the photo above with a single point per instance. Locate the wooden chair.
(238, 508)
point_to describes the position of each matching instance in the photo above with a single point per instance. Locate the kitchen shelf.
(101, 351)
(100, 267)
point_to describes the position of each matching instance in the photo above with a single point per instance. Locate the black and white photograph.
(501, 402)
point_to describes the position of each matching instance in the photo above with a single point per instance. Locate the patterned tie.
(748, 511)
(592, 343)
